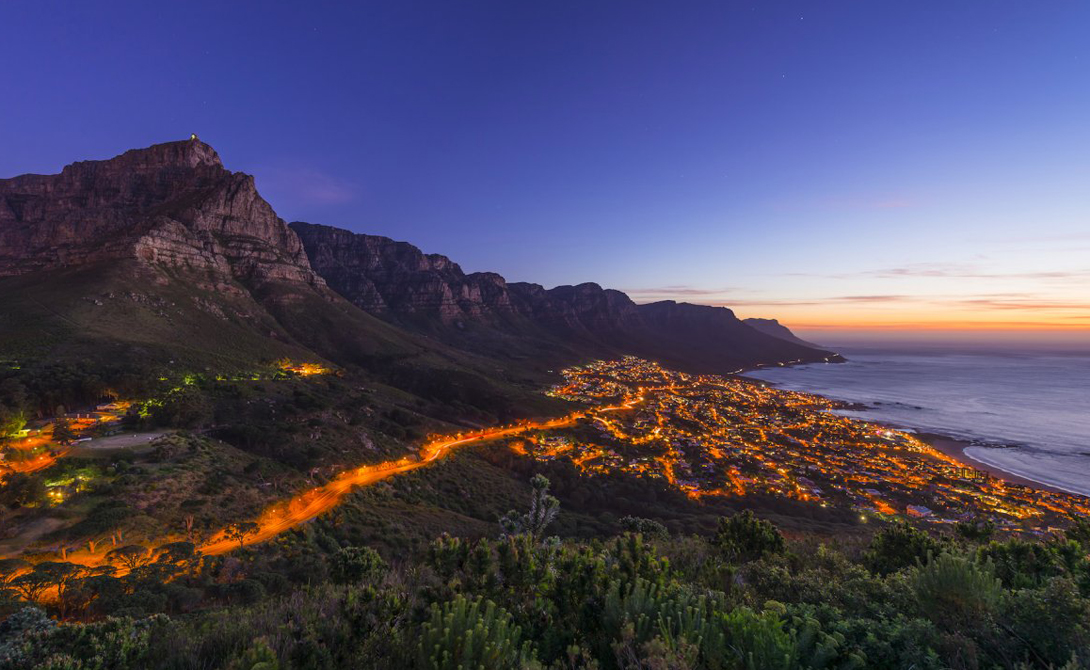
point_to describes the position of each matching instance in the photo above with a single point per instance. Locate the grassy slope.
(124, 311)
(101, 311)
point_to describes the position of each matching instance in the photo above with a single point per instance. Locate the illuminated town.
(718, 436)
(706, 435)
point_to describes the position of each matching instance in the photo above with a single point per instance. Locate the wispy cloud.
(830, 300)
(951, 271)
(1024, 304)
(984, 301)
(305, 186)
(679, 290)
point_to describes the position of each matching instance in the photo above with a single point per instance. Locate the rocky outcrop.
(170, 204)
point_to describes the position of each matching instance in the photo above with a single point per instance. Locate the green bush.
(354, 564)
(464, 635)
(955, 592)
(744, 537)
(900, 546)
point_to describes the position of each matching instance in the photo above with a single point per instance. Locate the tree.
(63, 433)
(184, 407)
(464, 634)
(177, 553)
(11, 422)
(10, 568)
(241, 530)
(647, 527)
(745, 537)
(955, 592)
(18, 631)
(60, 574)
(132, 556)
(543, 510)
(30, 585)
(355, 564)
(976, 530)
(900, 546)
(20, 489)
(1079, 531)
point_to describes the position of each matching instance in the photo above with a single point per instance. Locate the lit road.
(308, 504)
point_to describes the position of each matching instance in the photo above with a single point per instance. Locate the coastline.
(955, 448)
(949, 446)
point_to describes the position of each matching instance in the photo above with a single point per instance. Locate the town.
(728, 436)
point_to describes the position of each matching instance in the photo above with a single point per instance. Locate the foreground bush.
(466, 635)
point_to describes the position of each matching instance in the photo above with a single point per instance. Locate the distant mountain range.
(164, 252)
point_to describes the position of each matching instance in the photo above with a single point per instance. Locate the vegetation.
(743, 597)
(431, 570)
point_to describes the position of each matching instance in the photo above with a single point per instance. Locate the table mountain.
(169, 204)
(166, 249)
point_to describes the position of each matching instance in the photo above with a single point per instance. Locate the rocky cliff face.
(398, 282)
(170, 204)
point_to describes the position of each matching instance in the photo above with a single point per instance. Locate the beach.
(955, 449)
(1023, 417)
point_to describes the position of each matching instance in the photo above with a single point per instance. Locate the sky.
(846, 167)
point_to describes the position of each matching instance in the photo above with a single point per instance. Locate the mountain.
(483, 312)
(163, 258)
(165, 250)
(776, 329)
(164, 255)
(171, 204)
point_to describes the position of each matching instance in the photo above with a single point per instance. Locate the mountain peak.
(171, 204)
(189, 153)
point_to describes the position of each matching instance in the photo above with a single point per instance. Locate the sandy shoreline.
(950, 446)
(956, 449)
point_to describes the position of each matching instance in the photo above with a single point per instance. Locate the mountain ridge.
(173, 215)
(398, 282)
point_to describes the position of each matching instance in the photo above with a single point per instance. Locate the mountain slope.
(484, 313)
(162, 255)
(776, 329)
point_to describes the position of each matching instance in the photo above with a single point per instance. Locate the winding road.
(307, 505)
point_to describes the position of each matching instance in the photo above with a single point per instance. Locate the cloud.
(679, 290)
(951, 271)
(982, 301)
(831, 300)
(1023, 304)
(305, 186)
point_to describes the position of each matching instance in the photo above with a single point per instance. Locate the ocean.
(1025, 413)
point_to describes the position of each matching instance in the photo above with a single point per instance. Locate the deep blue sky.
(828, 162)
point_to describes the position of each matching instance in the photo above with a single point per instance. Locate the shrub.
(956, 592)
(744, 537)
(900, 546)
(543, 510)
(354, 564)
(463, 634)
(648, 527)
